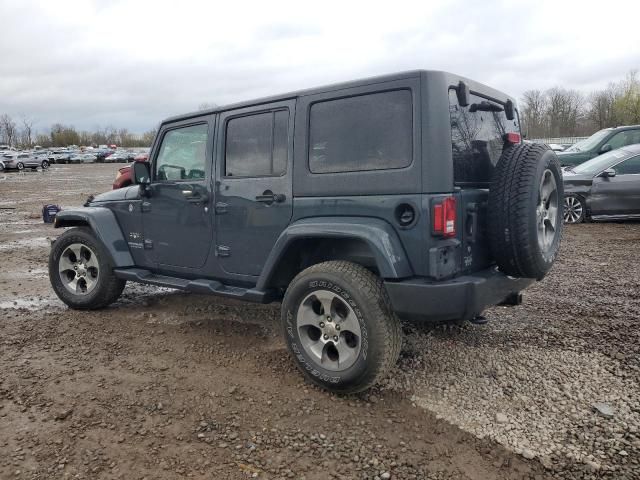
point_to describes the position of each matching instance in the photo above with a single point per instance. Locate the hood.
(569, 177)
(126, 193)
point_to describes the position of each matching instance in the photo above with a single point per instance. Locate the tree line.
(561, 112)
(22, 134)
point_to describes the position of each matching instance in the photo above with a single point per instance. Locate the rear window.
(366, 132)
(477, 138)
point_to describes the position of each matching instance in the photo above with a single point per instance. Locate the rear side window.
(367, 132)
(256, 145)
(477, 138)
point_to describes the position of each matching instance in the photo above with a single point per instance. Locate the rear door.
(253, 190)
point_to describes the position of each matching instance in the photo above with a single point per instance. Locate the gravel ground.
(169, 385)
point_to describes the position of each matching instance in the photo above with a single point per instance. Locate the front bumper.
(460, 298)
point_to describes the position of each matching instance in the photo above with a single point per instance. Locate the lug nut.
(329, 319)
(335, 338)
(321, 324)
(75, 267)
(326, 337)
(337, 327)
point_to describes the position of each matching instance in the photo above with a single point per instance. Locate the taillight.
(512, 137)
(444, 217)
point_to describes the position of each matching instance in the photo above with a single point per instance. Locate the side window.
(621, 139)
(367, 132)
(628, 167)
(182, 154)
(256, 145)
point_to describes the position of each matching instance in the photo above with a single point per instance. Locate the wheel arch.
(372, 243)
(104, 225)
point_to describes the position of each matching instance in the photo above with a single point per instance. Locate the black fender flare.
(380, 236)
(104, 224)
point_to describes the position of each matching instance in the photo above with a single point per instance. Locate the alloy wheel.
(572, 210)
(329, 330)
(547, 211)
(79, 269)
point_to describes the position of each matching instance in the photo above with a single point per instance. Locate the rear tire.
(525, 210)
(339, 326)
(20, 166)
(81, 271)
(45, 164)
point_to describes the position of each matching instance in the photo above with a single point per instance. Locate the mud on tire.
(525, 210)
(367, 345)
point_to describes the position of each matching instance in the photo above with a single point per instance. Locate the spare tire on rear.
(525, 210)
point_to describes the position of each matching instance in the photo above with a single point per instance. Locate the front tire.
(20, 166)
(574, 209)
(339, 326)
(45, 164)
(81, 271)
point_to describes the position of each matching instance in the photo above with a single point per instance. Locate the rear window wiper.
(485, 107)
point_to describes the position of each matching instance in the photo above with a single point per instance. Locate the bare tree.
(8, 129)
(207, 106)
(26, 134)
(534, 107)
(564, 110)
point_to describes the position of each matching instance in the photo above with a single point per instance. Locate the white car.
(20, 161)
(83, 158)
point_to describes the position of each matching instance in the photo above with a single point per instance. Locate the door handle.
(194, 196)
(269, 197)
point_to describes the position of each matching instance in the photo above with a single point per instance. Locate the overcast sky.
(131, 63)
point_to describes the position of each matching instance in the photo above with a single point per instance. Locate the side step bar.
(201, 285)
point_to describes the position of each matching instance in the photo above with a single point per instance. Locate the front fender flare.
(104, 224)
(390, 257)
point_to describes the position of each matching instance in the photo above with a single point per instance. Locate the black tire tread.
(111, 286)
(372, 288)
(510, 209)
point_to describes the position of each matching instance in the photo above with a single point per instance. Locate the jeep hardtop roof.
(435, 78)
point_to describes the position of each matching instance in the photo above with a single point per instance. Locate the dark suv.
(602, 141)
(404, 196)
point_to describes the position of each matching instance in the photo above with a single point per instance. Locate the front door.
(253, 195)
(619, 195)
(176, 215)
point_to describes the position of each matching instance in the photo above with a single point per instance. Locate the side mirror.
(509, 110)
(141, 173)
(462, 92)
(608, 173)
(605, 148)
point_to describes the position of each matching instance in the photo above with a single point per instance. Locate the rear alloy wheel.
(45, 164)
(574, 209)
(339, 326)
(20, 166)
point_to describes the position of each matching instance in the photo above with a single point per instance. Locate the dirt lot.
(169, 385)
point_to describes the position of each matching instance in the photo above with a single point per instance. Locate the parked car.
(123, 176)
(605, 187)
(83, 158)
(602, 141)
(116, 157)
(396, 201)
(20, 161)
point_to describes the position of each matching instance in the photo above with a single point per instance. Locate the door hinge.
(148, 244)
(221, 207)
(146, 206)
(223, 251)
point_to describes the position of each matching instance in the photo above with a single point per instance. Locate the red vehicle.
(123, 177)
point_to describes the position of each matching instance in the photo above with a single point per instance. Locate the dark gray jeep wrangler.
(406, 196)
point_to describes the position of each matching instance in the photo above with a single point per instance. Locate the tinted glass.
(182, 154)
(628, 167)
(368, 132)
(626, 137)
(477, 138)
(589, 143)
(256, 145)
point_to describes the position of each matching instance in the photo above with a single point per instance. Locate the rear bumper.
(463, 297)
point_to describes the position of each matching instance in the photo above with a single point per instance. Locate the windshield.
(589, 143)
(598, 164)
